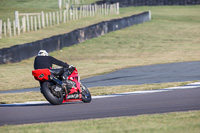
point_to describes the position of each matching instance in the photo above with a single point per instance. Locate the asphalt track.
(162, 101)
(146, 102)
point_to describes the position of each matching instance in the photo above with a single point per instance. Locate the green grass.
(169, 37)
(182, 122)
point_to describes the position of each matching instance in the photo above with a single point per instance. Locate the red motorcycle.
(52, 86)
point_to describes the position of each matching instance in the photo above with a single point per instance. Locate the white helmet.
(43, 53)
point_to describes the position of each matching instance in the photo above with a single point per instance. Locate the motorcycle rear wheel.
(86, 96)
(54, 97)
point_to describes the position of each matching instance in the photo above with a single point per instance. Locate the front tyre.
(86, 96)
(51, 95)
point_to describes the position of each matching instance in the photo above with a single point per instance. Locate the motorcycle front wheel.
(51, 95)
(86, 96)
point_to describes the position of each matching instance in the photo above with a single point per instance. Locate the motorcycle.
(51, 83)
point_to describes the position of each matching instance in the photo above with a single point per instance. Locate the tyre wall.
(125, 3)
(18, 53)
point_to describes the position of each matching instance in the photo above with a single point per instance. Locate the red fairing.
(74, 77)
(41, 74)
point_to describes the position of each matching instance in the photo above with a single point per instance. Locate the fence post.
(57, 18)
(90, 10)
(18, 28)
(43, 21)
(50, 18)
(105, 9)
(47, 20)
(8, 22)
(87, 10)
(149, 15)
(95, 10)
(10, 30)
(108, 9)
(73, 10)
(84, 11)
(60, 16)
(4, 26)
(14, 28)
(117, 7)
(111, 9)
(16, 18)
(76, 14)
(31, 23)
(67, 6)
(24, 24)
(54, 18)
(39, 22)
(80, 11)
(9, 27)
(67, 15)
(102, 10)
(28, 24)
(35, 20)
(64, 15)
(60, 4)
(70, 14)
(0, 29)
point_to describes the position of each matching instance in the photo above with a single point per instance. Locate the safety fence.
(26, 22)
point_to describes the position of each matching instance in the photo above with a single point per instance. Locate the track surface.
(127, 105)
(161, 73)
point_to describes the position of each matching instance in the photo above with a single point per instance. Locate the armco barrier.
(125, 3)
(20, 52)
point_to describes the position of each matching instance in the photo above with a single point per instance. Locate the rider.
(44, 61)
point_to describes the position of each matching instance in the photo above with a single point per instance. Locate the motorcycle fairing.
(41, 74)
(75, 78)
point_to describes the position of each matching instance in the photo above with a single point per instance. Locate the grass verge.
(181, 122)
(9, 98)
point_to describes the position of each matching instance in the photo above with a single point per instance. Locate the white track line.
(188, 86)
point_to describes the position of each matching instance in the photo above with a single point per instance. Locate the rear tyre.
(48, 90)
(86, 96)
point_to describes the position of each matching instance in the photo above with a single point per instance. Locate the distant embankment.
(18, 53)
(125, 3)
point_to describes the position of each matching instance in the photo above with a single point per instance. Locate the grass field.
(182, 122)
